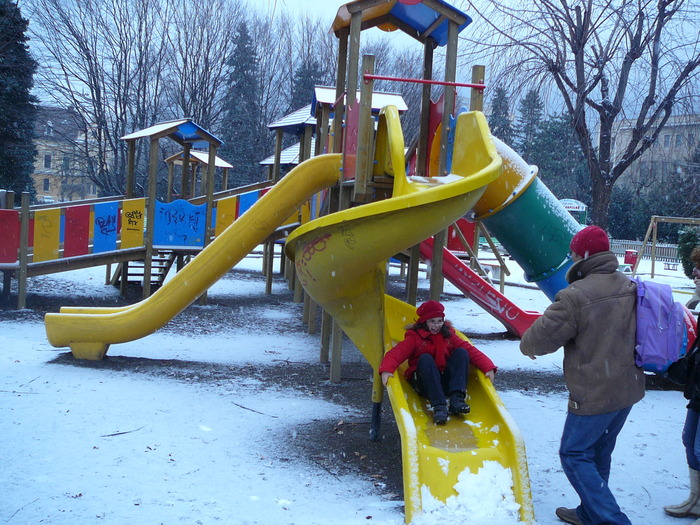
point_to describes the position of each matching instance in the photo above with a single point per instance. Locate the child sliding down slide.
(438, 362)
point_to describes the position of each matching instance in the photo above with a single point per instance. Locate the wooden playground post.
(437, 281)
(185, 192)
(365, 151)
(339, 109)
(130, 168)
(476, 98)
(279, 135)
(322, 122)
(424, 131)
(169, 194)
(150, 216)
(412, 278)
(23, 253)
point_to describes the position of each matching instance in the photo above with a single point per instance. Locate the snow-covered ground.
(86, 445)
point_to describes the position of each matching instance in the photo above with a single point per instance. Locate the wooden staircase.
(161, 263)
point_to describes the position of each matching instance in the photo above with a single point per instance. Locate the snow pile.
(484, 497)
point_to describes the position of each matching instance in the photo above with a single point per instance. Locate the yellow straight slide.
(341, 262)
(89, 332)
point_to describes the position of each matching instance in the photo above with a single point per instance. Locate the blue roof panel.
(421, 17)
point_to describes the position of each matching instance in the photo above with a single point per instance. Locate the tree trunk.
(601, 193)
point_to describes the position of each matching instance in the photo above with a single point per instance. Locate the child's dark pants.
(430, 383)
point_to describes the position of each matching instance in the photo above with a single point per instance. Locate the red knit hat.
(589, 241)
(429, 310)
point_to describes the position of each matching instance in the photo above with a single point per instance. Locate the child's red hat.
(430, 310)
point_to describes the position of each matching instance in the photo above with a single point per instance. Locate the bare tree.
(200, 44)
(605, 61)
(104, 59)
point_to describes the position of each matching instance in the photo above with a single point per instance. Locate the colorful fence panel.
(9, 236)
(133, 223)
(226, 213)
(105, 226)
(246, 201)
(76, 235)
(179, 223)
(47, 229)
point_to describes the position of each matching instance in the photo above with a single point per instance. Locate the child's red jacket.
(419, 342)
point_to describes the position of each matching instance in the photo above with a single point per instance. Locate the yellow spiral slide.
(90, 331)
(341, 261)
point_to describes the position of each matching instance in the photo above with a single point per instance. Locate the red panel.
(9, 236)
(434, 120)
(454, 242)
(77, 231)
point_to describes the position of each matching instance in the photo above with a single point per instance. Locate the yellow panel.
(133, 221)
(295, 217)
(342, 18)
(47, 229)
(225, 213)
(434, 153)
(516, 178)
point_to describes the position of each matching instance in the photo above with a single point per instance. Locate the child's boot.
(457, 404)
(440, 414)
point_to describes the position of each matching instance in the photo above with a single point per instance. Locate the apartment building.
(58, 172)
(670, 154)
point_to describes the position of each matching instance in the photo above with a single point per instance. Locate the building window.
(47, 161)
(679, 140)
(667, 141)
(46, 185)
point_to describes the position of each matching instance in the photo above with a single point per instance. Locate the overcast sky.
(327, 9)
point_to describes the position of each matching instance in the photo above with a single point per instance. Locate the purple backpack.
(661, 329)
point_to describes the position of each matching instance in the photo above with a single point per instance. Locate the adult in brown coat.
(594, 320)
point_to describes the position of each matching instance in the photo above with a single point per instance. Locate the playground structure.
(45, 239)
(376, 208)
(652, 232)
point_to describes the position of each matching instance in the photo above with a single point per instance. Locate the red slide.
(480, 291)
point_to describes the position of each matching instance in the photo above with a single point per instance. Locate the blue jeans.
(429, 382)
(587, 444)
(691, 438)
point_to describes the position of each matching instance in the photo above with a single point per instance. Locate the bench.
(670, 266)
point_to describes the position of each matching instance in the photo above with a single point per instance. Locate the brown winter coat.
(594, 320)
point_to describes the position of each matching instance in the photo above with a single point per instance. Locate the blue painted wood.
(179, 223)
(104, 235)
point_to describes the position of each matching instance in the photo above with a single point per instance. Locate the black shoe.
(440, 414)
(457, 404)
(568, 515)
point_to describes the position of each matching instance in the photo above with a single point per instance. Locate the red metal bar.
(367, 76)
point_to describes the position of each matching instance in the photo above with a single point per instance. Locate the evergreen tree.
(629, 214)
(17, 106)
(308, 75)
(562, 165)
(242, 129)
(499, 120)
(528, 124)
